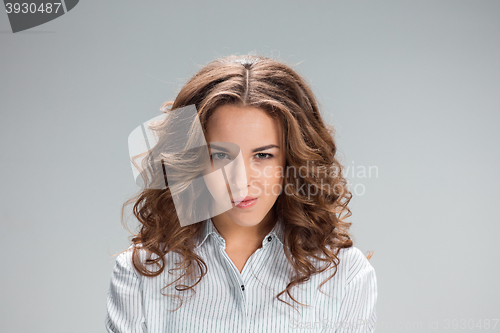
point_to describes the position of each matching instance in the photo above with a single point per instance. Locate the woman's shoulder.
(125, 259)
(351, 261)
(352, 269)
(355, 262)
(351, 253)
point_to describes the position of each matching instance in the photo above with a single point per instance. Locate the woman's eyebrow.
(265, 148)
(212, 146)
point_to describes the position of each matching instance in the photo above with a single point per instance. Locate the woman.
(279, 258)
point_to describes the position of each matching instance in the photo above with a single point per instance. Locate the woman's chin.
(245, 220)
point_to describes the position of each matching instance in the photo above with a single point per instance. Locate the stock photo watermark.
(461, 324)
(25, 15)
(327, 324)
(320, 172)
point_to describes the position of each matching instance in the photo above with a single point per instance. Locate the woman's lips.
(242, 199)
(246, 202)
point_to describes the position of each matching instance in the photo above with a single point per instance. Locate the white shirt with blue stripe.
(229, 301)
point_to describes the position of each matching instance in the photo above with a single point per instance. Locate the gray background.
(413, 88)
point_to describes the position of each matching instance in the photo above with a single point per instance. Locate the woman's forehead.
(239, 124)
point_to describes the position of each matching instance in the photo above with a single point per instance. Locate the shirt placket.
(238, 279)
(249, 271)
(244, 277)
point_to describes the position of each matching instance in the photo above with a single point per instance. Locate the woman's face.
(256, 173)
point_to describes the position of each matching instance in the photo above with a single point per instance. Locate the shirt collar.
(208, 229)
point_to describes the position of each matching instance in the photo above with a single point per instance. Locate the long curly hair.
(315, 231)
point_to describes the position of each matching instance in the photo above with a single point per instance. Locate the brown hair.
(314, 228)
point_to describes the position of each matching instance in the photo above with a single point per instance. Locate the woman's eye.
(219, 156)
(264, 156)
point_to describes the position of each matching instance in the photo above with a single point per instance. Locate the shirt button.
(269, 238)
(243, 287)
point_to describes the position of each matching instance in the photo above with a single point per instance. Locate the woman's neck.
(243, 238)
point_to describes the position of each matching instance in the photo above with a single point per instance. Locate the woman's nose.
(240, 172)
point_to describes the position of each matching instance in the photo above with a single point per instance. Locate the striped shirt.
(229, 301)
